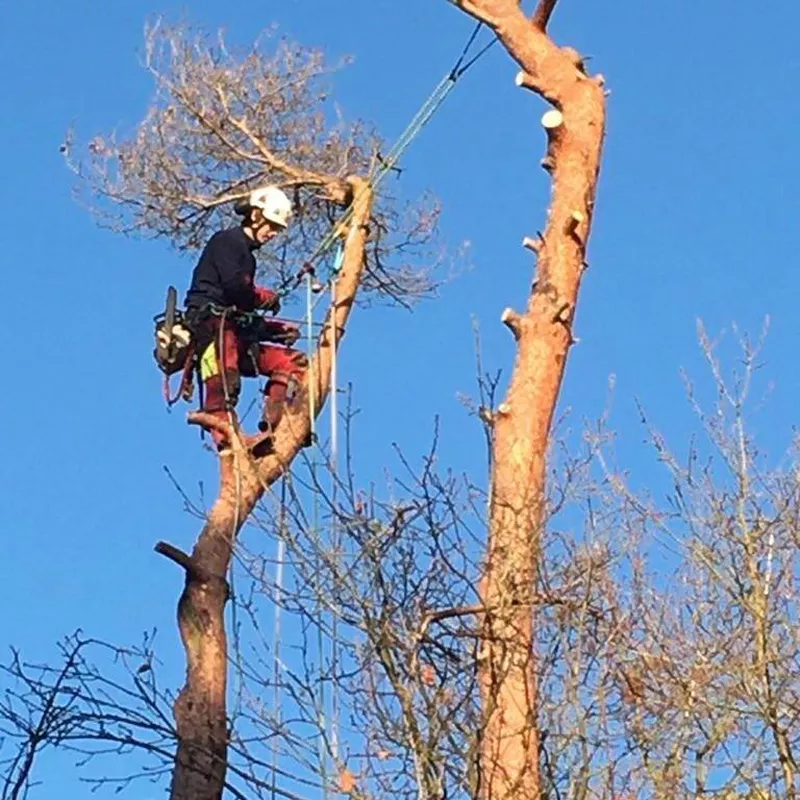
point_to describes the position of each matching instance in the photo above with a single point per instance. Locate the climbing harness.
(176, 342)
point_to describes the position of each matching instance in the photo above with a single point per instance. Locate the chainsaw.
(173, 338)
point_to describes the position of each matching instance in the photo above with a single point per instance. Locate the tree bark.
(575, 131)
(200, 709)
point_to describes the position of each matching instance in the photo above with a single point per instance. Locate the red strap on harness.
(184, 382)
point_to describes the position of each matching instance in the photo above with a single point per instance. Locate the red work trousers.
(227, 358)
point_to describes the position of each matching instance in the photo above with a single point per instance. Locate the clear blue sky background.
(696, 217)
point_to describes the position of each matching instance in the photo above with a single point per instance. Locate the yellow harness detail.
(209, 365)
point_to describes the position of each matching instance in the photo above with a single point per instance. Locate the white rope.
(321, 754)
(276, 634)
(334, 531)
(310, 346)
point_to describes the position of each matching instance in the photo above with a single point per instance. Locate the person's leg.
(281, 365)
(219, 371)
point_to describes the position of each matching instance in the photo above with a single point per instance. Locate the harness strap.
(185, 380)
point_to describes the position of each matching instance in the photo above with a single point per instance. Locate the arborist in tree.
(229, 338)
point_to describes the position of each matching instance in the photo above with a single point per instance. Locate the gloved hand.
(268, 300)
(290, 335)
(277, 330)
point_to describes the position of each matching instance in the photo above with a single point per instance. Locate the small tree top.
(222, 123)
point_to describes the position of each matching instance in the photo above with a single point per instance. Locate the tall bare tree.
(220, 125)
(400, 579)
(708, 668)
(521, 425)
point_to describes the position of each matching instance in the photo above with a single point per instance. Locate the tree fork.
(575, 128)
(200, 709)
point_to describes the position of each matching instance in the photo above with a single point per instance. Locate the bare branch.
(543, 12)
(211, 422)
(534, 245)
(295, 175)
(175, 554)
(512, 321)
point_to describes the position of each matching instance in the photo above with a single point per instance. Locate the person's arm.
(235, 274)
(267, 299)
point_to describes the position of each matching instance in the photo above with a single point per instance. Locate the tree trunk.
(200, 709)
(575, 131)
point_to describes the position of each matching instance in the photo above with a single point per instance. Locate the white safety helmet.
(274, 204)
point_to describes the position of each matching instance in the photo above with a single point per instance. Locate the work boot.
(275, 400)
(274, 404)
(300, 399)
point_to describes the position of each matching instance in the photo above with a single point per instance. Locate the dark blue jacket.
(225, 273)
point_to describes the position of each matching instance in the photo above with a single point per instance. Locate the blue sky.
(696, 217)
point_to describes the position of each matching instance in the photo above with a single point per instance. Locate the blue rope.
(386, 164)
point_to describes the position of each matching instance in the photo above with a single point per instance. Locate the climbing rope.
(385, 164)
(334, 459)
(312, 416)
(276, 633)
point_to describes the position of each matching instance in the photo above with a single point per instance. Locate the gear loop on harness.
(184, 390)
